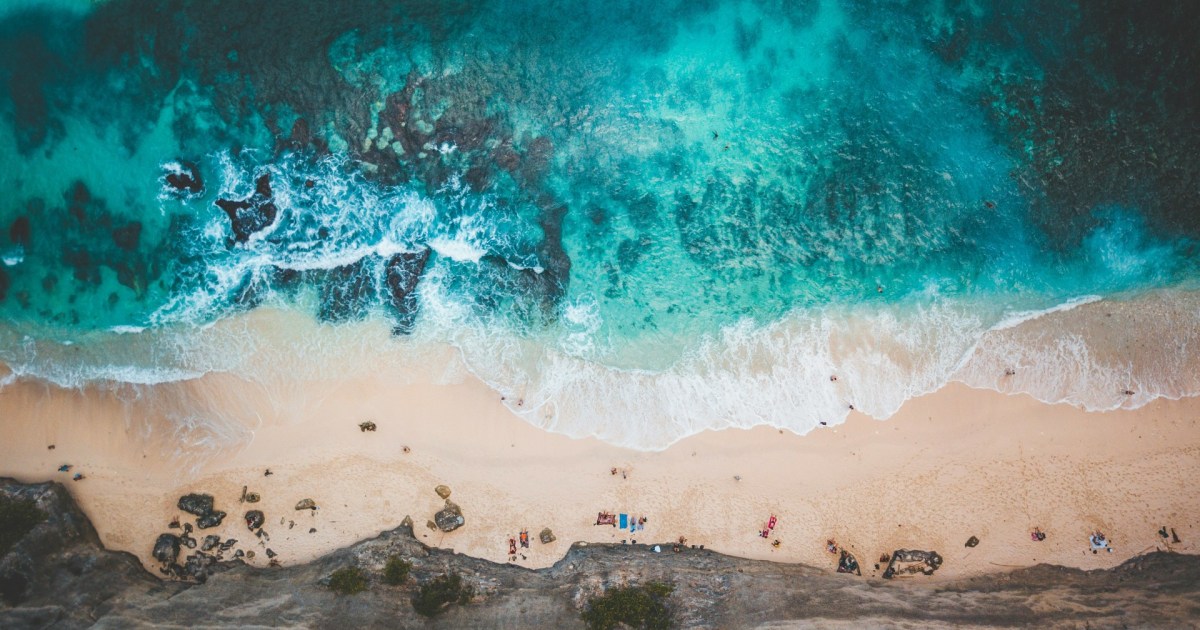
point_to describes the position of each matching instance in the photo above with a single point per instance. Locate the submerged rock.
(197, 504)
(166, 548)
(449, 518)
(402, 274)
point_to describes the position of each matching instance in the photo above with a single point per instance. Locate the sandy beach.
(957, 463)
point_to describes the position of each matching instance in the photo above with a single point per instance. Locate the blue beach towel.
(623, 521)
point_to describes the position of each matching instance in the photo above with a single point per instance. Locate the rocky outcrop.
(66, 580)
(252, 214)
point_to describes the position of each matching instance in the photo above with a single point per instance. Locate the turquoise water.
(667, 199)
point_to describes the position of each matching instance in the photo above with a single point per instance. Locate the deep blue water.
(665, 189)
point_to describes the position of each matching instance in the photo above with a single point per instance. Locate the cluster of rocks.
(212, 549)
(450, 517)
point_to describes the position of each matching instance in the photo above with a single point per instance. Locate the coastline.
(957, 463)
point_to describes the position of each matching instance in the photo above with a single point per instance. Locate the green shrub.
(438, 594)
(395, 572)
(348, 581)
(635, 606)
(17, 517)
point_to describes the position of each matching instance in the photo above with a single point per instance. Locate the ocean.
(633, 220)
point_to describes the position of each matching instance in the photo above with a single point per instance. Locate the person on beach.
(1099, 542)
(1037, 535)
(64, 468)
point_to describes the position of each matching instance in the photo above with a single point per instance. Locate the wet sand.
(957, 463)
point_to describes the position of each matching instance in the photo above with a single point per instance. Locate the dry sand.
(952, 464)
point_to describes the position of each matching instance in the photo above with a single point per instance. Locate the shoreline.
(950, 465)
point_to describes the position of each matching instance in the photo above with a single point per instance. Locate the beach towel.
(623, 521)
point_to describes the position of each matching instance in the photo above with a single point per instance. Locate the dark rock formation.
(166, 548)
(403, 272)
(210, 541)
(912, 561)
(212, 519)
(449, 518)
(183, 178)
(254, 519)
(252, 214)
(66, 580)
(196, 504)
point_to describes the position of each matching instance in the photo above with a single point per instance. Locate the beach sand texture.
(957, 463)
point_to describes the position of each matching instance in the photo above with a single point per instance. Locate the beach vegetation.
(395, 572)
(17, 517)
(437, 595)
(348, 581)
(642, 606)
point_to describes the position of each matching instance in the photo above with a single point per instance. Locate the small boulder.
(366, 426)
(449, 518)
(253, 497)
(196, 504)
(443, 491)
(306, 504)
(255, 519)
(210, 541)
(166, 548)
(212, 519)
(972, 541)
(546, 536)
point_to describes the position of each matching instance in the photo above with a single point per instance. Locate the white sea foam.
(455, 249)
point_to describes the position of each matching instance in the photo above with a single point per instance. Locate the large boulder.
(449, 518)
(166, 548)
(197, 504)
